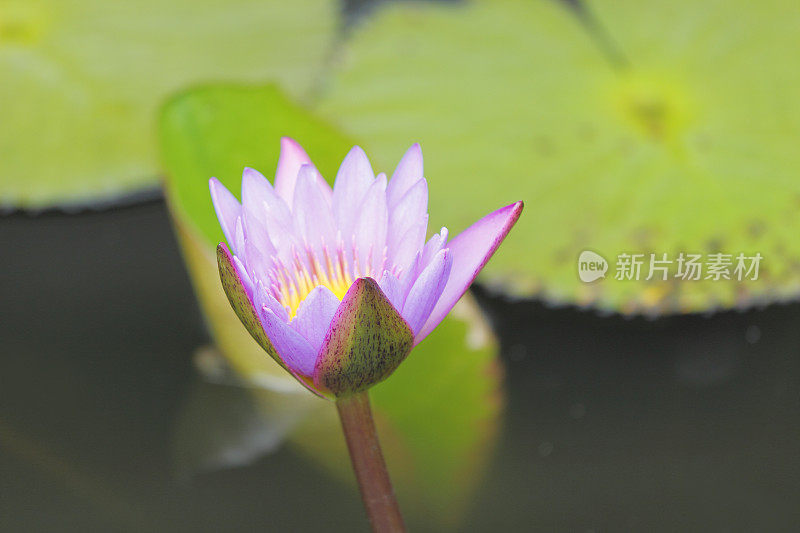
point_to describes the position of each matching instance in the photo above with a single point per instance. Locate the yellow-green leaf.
(673, 131)
(82, 81)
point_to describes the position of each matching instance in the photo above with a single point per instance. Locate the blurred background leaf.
(82, 81)
(634, 127)
(440, 411)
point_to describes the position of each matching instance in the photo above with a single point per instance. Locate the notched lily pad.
(685, 145)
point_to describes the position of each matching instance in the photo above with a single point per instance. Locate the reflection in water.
(226, 423)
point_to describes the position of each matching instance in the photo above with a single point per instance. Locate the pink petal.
(247, 281)
(311, 211)
(406, 250)
(255, 191)
(410, 275)
(426, 291)
(292, 348)
(314, 316)
(371, 227)
(238, 239)
(264, 210)
(408, 172)
(257, 233)
(267, 218)
(393, 289)
(262, 299)
(409, 211)
(226, 206)
(258, 264)
(471, 249)
(354, 178)
(434, 244)
(291, 159)
(282, 233)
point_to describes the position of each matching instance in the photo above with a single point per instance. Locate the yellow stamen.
(292, 284)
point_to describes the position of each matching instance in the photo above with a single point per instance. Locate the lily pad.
(436, 442)
(82, 81)
(639, 127)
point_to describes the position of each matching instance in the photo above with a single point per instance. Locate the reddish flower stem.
(365, 454)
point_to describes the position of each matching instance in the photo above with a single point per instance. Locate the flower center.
(310, 268)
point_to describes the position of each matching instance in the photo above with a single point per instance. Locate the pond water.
(687, 423)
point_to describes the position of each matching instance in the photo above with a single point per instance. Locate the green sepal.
(244, 308)
(367, 340)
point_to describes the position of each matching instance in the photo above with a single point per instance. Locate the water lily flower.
(338, 284)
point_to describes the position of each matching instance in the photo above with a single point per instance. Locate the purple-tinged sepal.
(242, 304)
(367, 340)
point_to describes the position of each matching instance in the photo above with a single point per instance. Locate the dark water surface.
(682, 424)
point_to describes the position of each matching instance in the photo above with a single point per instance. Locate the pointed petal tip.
(408, 172)
(358, 157)
(289, 143)
(216, 188)
(516, 210)
(252, 181)
(510, 213)
(292, 156)
(250, 171)
(356, 149)
(307, 168)
(471, 250)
